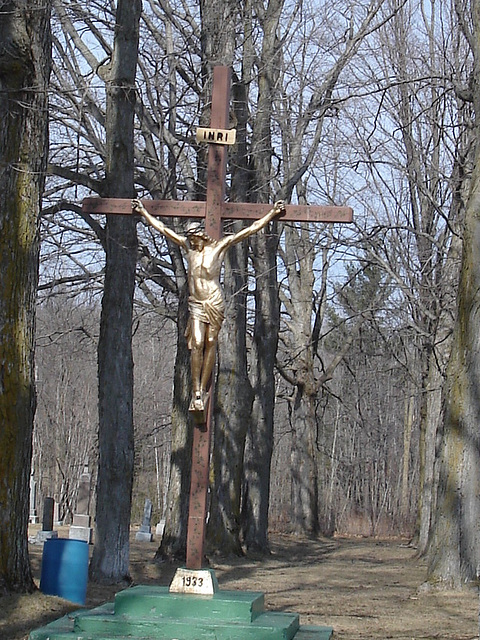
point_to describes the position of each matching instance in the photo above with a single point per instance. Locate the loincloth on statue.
(211, 311)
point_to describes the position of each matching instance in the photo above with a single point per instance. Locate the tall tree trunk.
(25, 57)
(267, 305)
(299, 259)
(408, 421)
(110, 560)
(174, 539)
(233, 404)
(454, 551)
(303, 463)
(260, 437)
(431, 410)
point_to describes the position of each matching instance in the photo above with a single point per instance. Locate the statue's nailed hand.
(137, 206)
(279, 207)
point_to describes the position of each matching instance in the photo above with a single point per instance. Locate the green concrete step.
(62, 629)
(152, 613)
(310, 632)
(58, 629)
(233, 606)
(267, 626)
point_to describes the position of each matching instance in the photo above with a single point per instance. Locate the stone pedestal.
(45, 535)
(156, 613)
(81, 529)
(143, 536)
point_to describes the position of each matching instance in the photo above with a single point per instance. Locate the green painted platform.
(152, 613)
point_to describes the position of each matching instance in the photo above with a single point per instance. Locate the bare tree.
(387, 133)
(415, 144)
(66, 422)
(312, 104)
(24, 72)
(110, 559)
(454, 552)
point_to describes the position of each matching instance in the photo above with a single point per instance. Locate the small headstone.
(47, 531)
(80, 528)
(82, 520)
(33, 516)
(56, 514)
(144, 534)
(83, 493)
(160, 528)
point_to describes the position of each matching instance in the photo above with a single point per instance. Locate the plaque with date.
(195, 581)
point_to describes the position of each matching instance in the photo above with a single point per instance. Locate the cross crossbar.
(228, 210)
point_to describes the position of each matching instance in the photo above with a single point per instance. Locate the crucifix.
(214, 210)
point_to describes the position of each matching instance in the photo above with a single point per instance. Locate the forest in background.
(364, 487)
(367, 104)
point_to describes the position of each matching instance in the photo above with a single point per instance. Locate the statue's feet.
(198, 407)
(197, 402)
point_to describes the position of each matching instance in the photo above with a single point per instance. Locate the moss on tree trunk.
(24, 70)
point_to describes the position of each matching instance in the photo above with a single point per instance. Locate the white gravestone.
(33, 517)
(144, 534)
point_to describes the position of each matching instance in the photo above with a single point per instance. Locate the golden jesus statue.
(206, 303)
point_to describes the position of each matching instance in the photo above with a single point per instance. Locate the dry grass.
(364, 589)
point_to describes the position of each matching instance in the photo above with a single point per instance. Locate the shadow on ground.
(365, 589)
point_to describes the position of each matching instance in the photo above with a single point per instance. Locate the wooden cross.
(214, 210)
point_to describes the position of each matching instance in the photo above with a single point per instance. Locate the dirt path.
(364, 589)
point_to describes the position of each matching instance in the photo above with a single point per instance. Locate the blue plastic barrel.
(65, 569)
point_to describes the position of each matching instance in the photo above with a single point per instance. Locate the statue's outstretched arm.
(158, 224)
(278, 209)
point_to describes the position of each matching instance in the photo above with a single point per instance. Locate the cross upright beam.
(217, 153)
(202, 436)
(214, 210)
